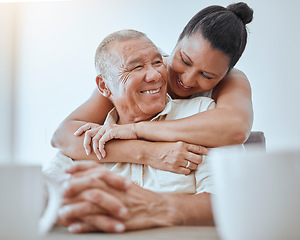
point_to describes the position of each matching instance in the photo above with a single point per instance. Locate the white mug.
(257, 194)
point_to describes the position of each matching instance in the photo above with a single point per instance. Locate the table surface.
(179, 232)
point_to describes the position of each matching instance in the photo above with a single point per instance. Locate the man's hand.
(178, 157)
(146, 209)
(89, 192)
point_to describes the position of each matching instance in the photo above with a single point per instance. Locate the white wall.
(57, 40)
(6, 80)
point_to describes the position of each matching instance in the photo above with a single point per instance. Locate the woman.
(201, 64)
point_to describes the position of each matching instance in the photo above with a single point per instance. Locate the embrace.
(149, 126)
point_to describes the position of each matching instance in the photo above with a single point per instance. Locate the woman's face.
(194, 66)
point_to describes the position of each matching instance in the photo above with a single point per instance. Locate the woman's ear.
(102, 86)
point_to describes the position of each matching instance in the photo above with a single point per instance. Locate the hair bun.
(242, 10)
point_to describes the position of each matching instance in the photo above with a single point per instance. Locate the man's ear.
(102, 86)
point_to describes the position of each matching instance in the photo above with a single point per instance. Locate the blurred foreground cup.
(26, 208)
(257, 194)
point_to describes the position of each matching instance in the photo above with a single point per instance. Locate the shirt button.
(137, 182)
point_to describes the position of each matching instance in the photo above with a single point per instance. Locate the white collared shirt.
(163, 181)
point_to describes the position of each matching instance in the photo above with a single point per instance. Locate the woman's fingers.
(96, 147)
(88, 139)
(194, 158)
(183, 170)
(190, 165)
(197, 149)
(85, 128)
(105, 138)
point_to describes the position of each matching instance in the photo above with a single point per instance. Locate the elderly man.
(133, 76)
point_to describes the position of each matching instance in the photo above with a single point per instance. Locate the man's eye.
(137, 67)
(158, 63)
(207, 77)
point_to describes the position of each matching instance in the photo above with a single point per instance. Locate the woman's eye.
(207, 77)
(185, 62)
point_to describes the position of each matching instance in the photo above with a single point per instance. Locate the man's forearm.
(190, 209)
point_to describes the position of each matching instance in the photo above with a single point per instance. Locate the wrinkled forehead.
(129, 50)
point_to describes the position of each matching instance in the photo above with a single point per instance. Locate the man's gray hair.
(105, 62)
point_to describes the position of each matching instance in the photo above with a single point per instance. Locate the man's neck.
(133, 119)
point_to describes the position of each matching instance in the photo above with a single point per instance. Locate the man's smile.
(153, 91)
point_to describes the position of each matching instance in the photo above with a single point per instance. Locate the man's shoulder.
(186, 107)
(197, 102)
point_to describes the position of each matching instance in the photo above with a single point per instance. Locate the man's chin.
(154, 109)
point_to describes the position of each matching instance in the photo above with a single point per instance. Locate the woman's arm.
(228, 124)
(166, 156)
(93, 110)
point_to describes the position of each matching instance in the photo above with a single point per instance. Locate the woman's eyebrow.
(187, 56)
(202, 71)
(210, 73)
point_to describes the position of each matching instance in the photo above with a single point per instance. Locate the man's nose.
(152, 75)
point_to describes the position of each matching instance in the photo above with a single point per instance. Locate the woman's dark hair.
(224, 28)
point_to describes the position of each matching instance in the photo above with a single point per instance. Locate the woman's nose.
(188, 78)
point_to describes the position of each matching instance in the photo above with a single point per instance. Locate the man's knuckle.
(95, 195)
(92, 181)
(102, 173)
(89, 208)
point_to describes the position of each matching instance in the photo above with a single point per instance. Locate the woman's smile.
(181, 84)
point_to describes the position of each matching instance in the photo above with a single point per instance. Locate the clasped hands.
(97, 200)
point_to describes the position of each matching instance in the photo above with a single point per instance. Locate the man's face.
(141, 91)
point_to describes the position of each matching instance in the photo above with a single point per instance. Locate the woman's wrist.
(139, 128)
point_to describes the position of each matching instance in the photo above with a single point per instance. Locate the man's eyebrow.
(139, 60)
(134, 61)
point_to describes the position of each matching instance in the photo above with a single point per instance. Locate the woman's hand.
(100, 134)
(108, 132)
(90, 130)
(178, 157)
